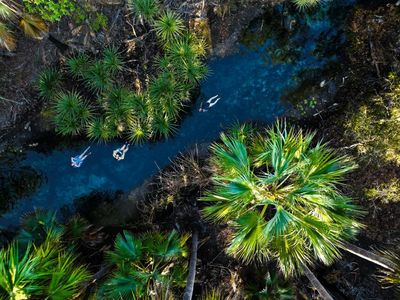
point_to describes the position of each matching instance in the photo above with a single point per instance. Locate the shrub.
(119, 111)
(374, 128)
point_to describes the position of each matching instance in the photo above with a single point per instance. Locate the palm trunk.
(192, 267)
(367, 255)
(316, 284)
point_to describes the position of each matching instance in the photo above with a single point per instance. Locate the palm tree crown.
(280, 194)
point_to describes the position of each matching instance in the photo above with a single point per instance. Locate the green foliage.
(33, 26)
(45, 270)
(390, 278)
(374, 128)
(304, 4)
(169, 27)
(78, 65)
(50, 10)
(99, 129)
(98, 22)
(148, 264)
(213, 295)
(112, 60)
(280, 194)
(386, 192)
(73, 113)
(39, 226)
(17, 272)
(147, 9)
(272, 287)
(49, 84)
(119, 111)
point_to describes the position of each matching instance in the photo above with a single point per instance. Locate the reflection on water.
(250, 84)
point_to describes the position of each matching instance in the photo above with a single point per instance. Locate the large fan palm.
(146, 265)
(280, 194)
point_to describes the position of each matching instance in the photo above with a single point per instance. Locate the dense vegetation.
(104, 108)
(274, 203)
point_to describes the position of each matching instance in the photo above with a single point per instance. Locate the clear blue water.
(250, 87)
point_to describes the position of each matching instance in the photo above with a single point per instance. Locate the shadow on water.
(250, 83)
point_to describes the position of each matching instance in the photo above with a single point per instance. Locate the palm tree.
(17, 272)
(100, 130)
(144, 9)
(49, 84)
(78, 65)
(212, 295)
(281, 195)
(73, 113)
(169, 27)
(42, 270)
(12, 12)
(149, 264)
(112, 60)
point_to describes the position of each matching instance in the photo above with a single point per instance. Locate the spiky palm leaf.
(112, 60)
(33, 26)
(98, 78)
(163, 125)
(214, 294)
(192, 72)
(7, 39)
(138, 130)
(39, 226)
(137, 105)
(305, 4)
(169, 27)
(17, 272)
(281, 195)
(272, 287)
(6, 11)
(116, 110)
(145, 265)
(49, 84)
(100, 130)
(78, 65)
(147, 9)
(73, 113)
(65, 277)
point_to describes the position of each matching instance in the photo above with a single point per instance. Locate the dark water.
(250, 84)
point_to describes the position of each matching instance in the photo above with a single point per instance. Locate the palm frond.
(112, 60)
(49, 84)
(78, 65)
(17, 271)
(169, 27)
(147, 9)
(7, 39)
(32, 26)
(73, 113)
(305, 4)
(281, 195)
